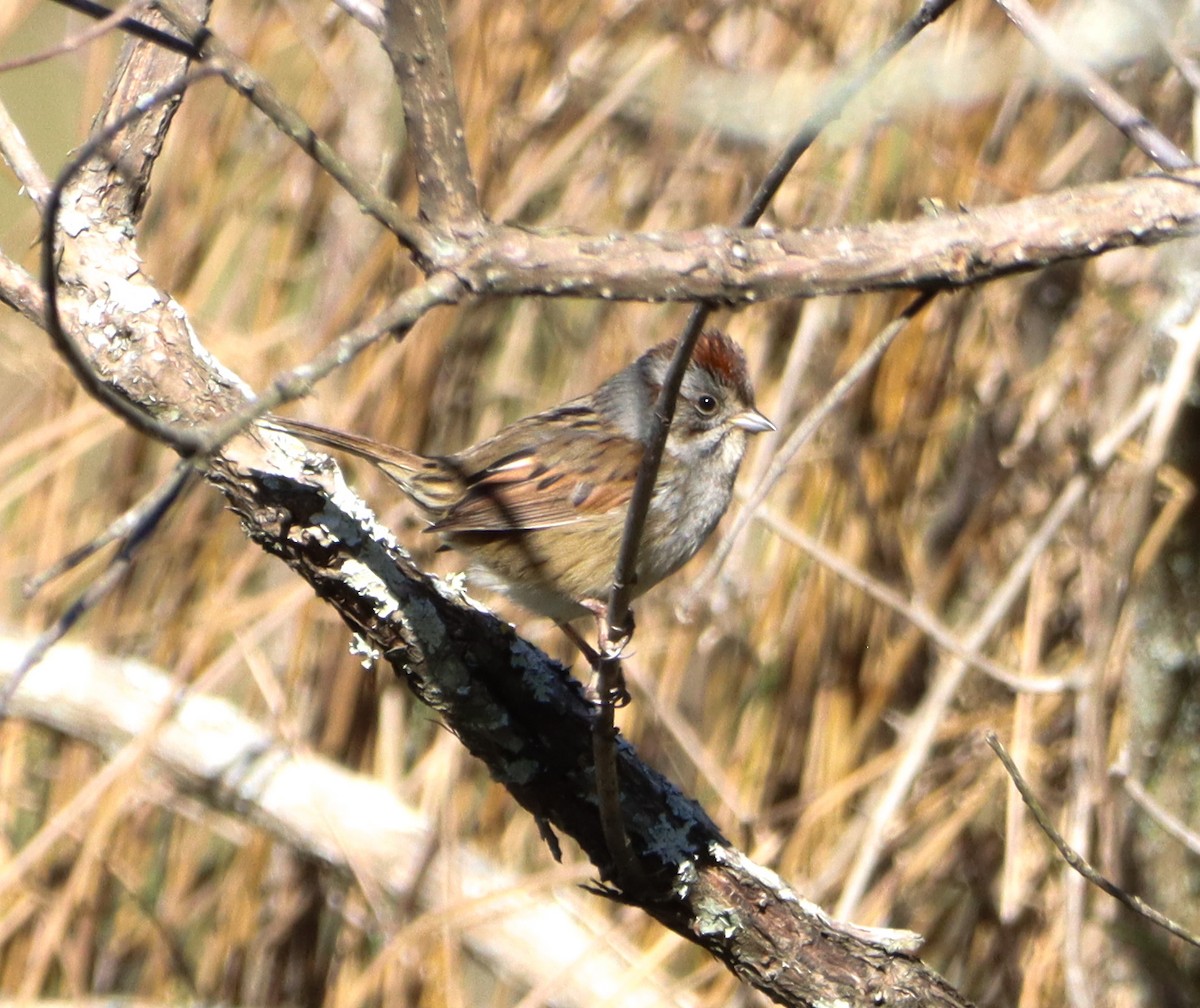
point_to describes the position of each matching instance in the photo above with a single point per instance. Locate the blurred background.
(790, 701)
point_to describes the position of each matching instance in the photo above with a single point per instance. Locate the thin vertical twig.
(619, 616)
(834, 397)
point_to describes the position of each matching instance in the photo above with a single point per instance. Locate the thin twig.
(834, 103)
(395, 321)
(626, 870)
(1171, 824)
(1072, 857)
(144, 521)
(664, 409)
(20, 159)
(921, 728)
(1123, 115)
(619, 616)
(125, 527)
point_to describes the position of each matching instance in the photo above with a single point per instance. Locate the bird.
(539, 507)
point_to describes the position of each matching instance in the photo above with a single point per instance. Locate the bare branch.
(351, 822)
(1149, 140)
(745, 266)
(415, 41)
(20, 159)
(100, 245)
(1076, 861)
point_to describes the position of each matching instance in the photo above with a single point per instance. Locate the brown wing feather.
(521, 492)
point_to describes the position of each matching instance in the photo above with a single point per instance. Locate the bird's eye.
(707, 405)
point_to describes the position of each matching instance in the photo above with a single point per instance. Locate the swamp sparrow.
(540, 506)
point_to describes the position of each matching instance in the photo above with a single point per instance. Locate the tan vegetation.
(834, 738)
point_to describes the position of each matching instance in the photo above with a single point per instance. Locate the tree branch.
(120, 180)
(530, 723)
(415, 41)
(743, 266)
(349, 821)
(512, 707)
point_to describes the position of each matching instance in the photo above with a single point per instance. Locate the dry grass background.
(784, 700)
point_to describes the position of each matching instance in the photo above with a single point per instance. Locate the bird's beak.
(752, 421)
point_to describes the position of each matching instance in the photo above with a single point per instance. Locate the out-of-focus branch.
(354, 823)
(1170, 823)
(248, 83)
(1108, 102)
(21, 292)
(17, 155)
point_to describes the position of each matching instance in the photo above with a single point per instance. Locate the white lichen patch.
(129, 296)
(347, 515)
(368, 655)
(714, 918)
(764, 876)
(453, 588)
(685, 878)
(368, 585)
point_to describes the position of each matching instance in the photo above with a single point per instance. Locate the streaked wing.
(522, 491)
